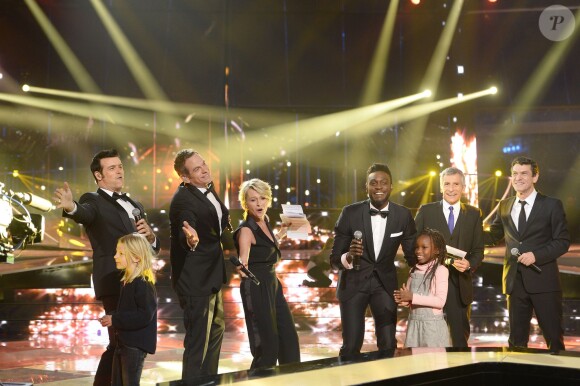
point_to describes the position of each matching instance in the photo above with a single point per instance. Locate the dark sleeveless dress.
(270, 325)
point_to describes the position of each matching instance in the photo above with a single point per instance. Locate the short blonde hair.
(139, 251)
(261, 187)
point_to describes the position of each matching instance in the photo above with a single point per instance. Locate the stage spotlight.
(25, 88)
(432, 173)
(498, 173)
(415, 2)
(460, 70)
(427, 93)
(493, 90)
(15, 173)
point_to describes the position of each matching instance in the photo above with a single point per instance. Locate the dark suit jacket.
(400, 230)
(200, 272)
(105, 221)
(135, 319)
(467, 236)
(546, 235)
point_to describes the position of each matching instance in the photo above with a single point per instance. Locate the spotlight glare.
(493, 90)
(25, 88)
(460, 69)
(432, 173)
(498, 173)
(15, 173)
(427, 93)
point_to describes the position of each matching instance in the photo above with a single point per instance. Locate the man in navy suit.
(461, 226)
(198, 218)
(107, 215)
(368, 276)
(535, 225)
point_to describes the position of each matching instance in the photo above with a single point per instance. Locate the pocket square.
(396, 234)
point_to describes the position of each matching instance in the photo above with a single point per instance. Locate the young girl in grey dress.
(425, 292)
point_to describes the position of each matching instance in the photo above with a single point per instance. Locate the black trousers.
(104, 372)
(203, 317)
(271, 331)
(548, 309)
(457, 316)
(128, 365)
(352, 315)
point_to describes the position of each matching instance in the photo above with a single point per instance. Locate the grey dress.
(425, 328)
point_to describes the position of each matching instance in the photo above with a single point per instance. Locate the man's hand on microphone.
(144, 229)
(190, 235)
(356, 249)
(527, 258)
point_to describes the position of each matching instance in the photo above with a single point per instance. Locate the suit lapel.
(507, 214)
(537, 208)
(443, 222)
(368, 230)
(203, 198)
(389, 229)
(123, 215)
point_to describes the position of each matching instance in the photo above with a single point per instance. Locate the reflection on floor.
(58, 361)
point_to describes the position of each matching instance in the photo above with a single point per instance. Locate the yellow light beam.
(77, 70)
(373, 84)
(151, 89)
(430, 80)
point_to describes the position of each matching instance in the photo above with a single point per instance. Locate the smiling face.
(256, 204)
(197, 172)
(522, 180)
(379, 186)
(424, 249)
(452, 187)
(112, 175)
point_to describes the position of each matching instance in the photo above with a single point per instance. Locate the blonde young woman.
(271, 332)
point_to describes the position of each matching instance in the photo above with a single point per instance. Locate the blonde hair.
(138, 251)
(261, 187)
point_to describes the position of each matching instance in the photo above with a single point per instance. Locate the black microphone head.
(136, 212)
(358, 235)
(515, 251)
(235, 261)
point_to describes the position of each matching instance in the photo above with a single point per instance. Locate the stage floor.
(64, 361)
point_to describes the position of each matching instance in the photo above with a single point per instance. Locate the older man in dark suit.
(461, 226)
(198, 218)
(368, 276)
(107, 215)
(536, 234)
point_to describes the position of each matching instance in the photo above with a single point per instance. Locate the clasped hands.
(403, 295)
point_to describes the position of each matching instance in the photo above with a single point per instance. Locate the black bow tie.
(383, 213)
(122, 196)
(209, 188)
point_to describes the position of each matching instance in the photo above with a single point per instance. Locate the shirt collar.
(385, 208)
(456, 206)
(530, 199)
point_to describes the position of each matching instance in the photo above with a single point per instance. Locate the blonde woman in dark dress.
(271, 331)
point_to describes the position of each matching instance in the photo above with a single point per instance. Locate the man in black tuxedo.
(198, 218)
(107, 215)
(368, 276)
(535, 225)
(461, 226)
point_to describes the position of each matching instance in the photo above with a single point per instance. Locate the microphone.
(34, 201)
(136, 214)
(356, 259)
(235, 261)
(515, 252)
